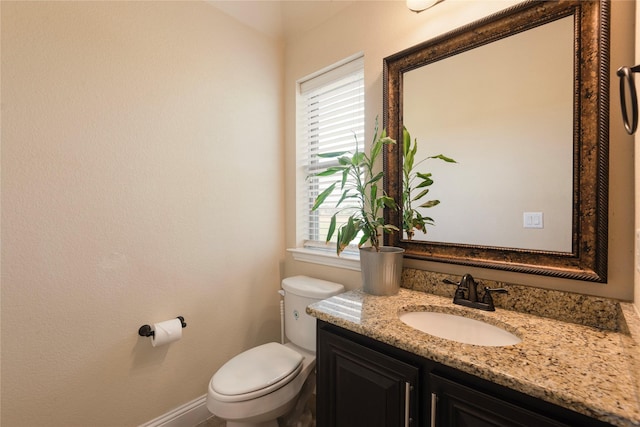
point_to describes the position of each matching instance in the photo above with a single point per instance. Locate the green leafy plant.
(412, 180)
(359, 185)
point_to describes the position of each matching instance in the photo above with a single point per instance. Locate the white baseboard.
(188, 415)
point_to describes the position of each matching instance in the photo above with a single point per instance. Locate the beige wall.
(380, 29)
(141, 180)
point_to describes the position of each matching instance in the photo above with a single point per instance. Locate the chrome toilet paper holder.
(146, 331)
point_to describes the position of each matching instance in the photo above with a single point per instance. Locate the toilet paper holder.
(146, 331)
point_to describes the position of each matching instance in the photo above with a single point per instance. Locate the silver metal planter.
(381, 271)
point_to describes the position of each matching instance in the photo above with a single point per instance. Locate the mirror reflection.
(513, 183)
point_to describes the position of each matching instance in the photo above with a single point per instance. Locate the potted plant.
(381, 266)
(412, 219)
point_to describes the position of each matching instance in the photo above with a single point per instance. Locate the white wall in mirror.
(504, 112)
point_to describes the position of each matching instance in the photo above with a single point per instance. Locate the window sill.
(346, 261)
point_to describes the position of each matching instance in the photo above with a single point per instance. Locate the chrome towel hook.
(625, 74)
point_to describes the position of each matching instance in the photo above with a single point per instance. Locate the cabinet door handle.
(434, 404)
(407, 404)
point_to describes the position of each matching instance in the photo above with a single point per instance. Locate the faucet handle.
(488, 299)
(459, 290)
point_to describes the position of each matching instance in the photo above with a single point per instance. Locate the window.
(330, 118)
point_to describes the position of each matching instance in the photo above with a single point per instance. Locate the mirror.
(520, 100)
(541, 159)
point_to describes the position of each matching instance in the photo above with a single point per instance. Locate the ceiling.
(281, 18)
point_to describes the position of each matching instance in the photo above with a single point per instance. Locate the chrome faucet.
(467, 294)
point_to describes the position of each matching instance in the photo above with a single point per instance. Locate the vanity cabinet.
(362, 387)
(362, 382)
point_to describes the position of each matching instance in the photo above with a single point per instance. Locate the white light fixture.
(418, 6)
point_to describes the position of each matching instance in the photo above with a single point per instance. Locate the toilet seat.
(256, 372)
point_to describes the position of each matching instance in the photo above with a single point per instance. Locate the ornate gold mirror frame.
(587, 259)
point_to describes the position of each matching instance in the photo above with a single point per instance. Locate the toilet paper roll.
(166, 332)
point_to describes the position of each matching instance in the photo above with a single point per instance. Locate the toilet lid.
(261, 367)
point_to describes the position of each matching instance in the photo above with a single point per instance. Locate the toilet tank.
(299, 292)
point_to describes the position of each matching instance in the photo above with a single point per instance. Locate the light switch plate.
(533, 220)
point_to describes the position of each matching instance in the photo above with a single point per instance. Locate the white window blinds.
(330, 118)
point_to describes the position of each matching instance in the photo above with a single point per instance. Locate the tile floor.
(215, 422)
(212, 422)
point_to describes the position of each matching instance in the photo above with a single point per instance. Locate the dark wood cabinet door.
(458, 405)
(360, 387)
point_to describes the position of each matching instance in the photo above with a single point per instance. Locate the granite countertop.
(589, 370)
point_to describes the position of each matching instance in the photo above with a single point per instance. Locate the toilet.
(261, 384)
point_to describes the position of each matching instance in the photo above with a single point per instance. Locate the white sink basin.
(459, 328)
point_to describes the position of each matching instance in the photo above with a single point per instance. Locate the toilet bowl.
(259, 385)
(254, 406)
